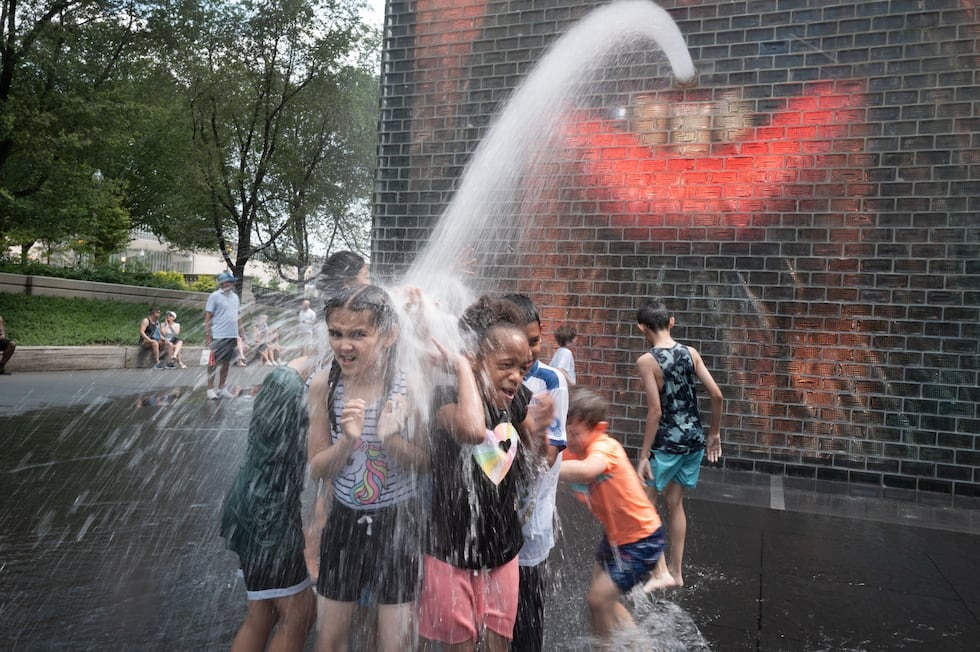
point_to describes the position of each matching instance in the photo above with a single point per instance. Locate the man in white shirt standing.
(307, 320)
(222, 328)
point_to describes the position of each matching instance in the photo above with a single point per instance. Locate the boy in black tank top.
(673, 439)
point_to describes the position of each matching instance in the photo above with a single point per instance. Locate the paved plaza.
(111, 481)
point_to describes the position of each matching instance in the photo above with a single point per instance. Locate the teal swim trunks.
(682, 469)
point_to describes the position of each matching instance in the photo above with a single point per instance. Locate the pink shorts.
(457, 603)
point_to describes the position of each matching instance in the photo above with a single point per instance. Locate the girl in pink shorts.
(482, 427)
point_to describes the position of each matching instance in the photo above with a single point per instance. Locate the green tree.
(155, 163)
(243, 126)
(257, 77)
(323, 188)
(60, 114)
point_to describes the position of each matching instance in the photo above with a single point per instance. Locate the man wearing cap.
(222, 328)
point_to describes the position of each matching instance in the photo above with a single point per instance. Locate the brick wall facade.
(810, 210)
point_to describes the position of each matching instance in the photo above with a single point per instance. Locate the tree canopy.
(245, 127)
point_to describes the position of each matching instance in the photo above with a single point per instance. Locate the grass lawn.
(56, 321)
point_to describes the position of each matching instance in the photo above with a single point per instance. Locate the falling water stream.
(485, 210)
(108, 535)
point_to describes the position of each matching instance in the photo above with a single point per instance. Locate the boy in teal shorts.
(673, 427)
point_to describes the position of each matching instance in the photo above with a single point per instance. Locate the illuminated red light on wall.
(677, 155)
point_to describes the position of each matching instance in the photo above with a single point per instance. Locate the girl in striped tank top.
(360, 442)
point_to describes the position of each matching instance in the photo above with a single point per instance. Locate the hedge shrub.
(205, 284)
(134, 274)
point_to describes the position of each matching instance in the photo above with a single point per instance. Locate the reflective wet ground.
(111, 483)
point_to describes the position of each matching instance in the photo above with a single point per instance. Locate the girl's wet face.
(363, 277)
(357, 344)
(501, 365)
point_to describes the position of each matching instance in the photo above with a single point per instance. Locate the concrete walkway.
(29, 391)
(770, 564)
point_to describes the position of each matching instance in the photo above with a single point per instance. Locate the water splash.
(136, 472)
(488, 202)
(489, 210)
(665, 625)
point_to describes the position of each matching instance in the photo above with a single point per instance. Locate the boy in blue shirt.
(537, 505)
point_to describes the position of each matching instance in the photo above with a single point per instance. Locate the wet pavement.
(759, 578)
(31, 391)
(111, 484)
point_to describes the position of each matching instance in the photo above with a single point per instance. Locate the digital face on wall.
(770, 211)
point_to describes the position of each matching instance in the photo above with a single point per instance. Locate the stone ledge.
(87, 358)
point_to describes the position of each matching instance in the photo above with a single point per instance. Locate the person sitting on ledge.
(7, 348)
(266, 341)
(150, 337)
(169, 331)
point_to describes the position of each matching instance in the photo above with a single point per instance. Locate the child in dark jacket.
(261, 519)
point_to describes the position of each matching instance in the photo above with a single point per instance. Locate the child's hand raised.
(542, 412)
(414, 300)
(392, 419)
(415, 311)
(466, 261)
(445, 358)
(414, 306)
(352, 418)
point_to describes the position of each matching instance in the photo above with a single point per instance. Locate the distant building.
(157, 256)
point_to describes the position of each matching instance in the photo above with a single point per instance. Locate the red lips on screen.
(675, 159)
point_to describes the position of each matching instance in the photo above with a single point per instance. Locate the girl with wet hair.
(480, 430)
(362, 441)
(341, 270)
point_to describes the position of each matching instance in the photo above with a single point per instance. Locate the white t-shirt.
(307, 318)
(537, 502)
(224, 314)
(564, 360)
